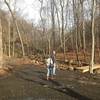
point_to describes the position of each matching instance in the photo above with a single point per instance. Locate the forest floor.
(28, 82)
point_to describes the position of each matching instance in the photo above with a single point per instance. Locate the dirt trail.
(28, 82)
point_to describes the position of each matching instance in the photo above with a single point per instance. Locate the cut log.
(97, 71)
(71, 68)
(86, 68)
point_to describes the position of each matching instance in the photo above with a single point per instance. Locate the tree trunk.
(64, 48)
(1, 48)
(5, 48)
(20, 38)
(83, 27)
(76, 30)
(49, 43)
(62, 32)
(9, 38)
(53, 23)
(93, 37)
(77, 49)
(58, 20)
(84, 43)
(16, 25)
(13, 42)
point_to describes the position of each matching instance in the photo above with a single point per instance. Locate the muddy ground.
(28, 82)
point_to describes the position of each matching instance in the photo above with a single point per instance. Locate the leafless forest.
(70, 27)
(66, 26)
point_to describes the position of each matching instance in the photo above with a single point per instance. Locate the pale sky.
(30, 8)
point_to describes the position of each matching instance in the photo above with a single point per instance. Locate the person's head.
(54, 52)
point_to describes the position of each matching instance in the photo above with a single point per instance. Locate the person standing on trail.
(49, 68)
(54, 62)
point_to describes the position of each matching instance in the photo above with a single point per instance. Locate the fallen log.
(86, 68)
(97, 71)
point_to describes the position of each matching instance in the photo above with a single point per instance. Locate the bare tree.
(1, 48)
(9, 37)
(76, 28)
(58, 21)
(62, 19)
(83, 27)
(16, 25)
(53, 22)
(93, 35)
(62, 5)
(43, 20)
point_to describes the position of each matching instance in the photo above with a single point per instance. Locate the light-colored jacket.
(49, 61)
